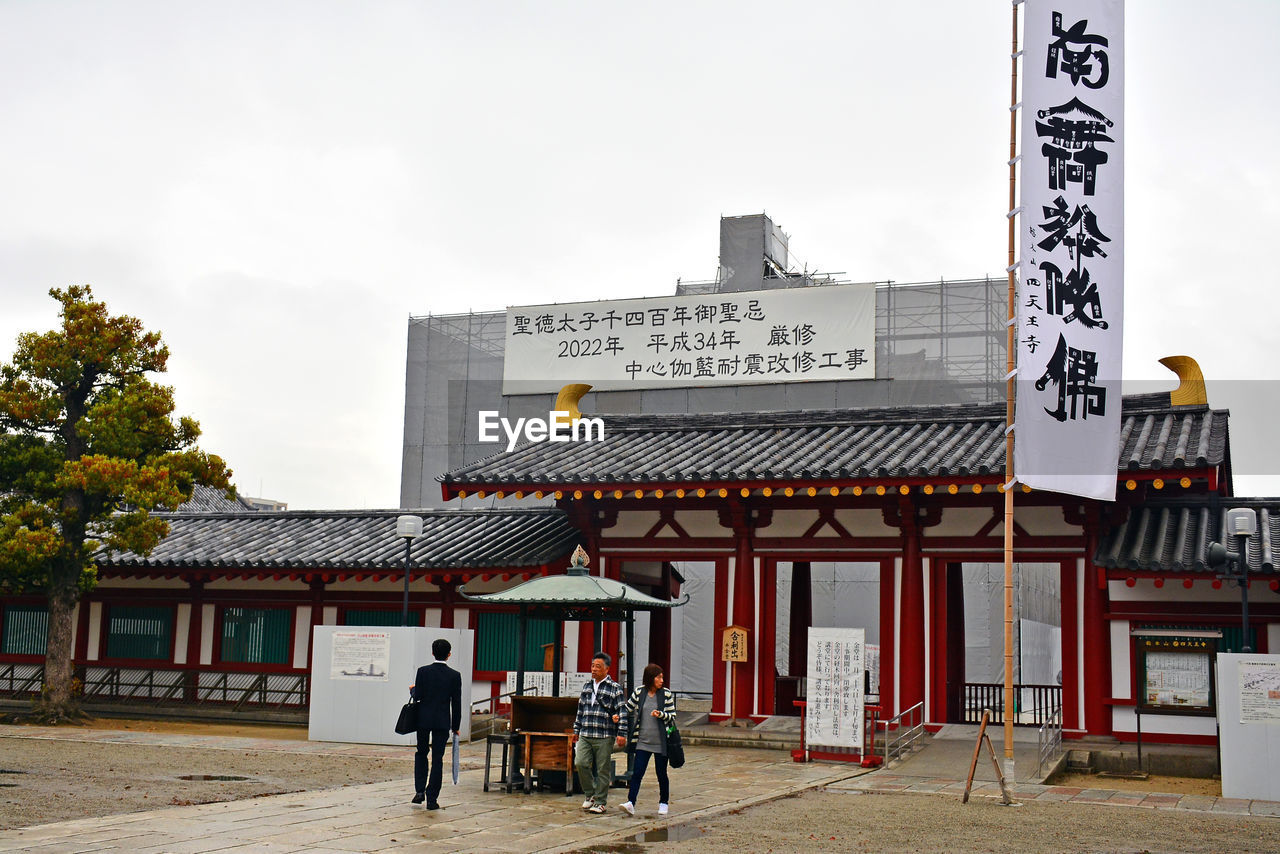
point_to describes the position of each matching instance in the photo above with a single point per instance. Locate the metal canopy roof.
(577, 593)
(576, 590)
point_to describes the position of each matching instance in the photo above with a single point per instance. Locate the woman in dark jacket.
(648, 712)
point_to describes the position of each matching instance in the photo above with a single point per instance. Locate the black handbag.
(675, 748)
(408, 720)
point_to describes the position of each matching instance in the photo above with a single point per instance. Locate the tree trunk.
(59, 701)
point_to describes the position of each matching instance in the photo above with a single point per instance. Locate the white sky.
(277, 187)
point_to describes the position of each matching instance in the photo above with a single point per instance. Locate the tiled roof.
(930, 442)
(1174, 535)
(364, 539)
(206, 499)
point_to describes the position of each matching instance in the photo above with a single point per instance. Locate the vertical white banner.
(833, 697)
(1071, 275)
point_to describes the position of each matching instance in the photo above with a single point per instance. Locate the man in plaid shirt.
(596, 729)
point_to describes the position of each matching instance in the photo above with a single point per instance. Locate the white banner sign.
(834, 701)
(1070, 293)
(776, 336)
(539, 681)
(360, 655)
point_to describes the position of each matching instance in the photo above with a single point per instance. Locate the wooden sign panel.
(733, 644)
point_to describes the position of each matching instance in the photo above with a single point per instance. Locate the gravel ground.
(47, 781)
(845, 821)
(61, 780)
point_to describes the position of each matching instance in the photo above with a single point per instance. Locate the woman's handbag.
(675, 749)
(408, 720)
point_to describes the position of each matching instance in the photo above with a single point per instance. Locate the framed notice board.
(1175, 674)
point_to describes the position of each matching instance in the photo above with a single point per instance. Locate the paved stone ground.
(718, 786)
(378, 817)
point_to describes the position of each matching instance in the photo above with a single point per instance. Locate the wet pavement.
(378, 816)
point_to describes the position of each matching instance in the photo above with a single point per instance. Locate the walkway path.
(377, 817)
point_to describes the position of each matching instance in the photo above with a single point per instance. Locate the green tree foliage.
(88, 449)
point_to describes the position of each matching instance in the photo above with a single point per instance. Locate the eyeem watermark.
(555, 428)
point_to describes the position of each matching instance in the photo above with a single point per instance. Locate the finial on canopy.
(578, 561)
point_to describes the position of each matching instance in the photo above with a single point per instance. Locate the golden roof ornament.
(578, 561)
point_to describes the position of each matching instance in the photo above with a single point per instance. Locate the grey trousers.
(591, 756)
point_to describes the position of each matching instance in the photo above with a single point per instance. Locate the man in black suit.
(438, 690)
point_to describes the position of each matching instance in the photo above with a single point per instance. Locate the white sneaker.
(628, 808)
(662, 809)
(588, 804)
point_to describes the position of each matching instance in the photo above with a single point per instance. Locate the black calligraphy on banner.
(1074, 136)
(1074, 131)
(1073, 374)
(1078, 54)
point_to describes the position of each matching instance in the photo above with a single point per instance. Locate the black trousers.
(436, 740)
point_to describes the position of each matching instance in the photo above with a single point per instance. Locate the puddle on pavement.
(677, 833)
(215, 778)
(637, 844)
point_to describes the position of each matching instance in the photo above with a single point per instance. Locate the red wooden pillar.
(719, 619)
(939, 635)
(955, 642)
(801, 618)
(766, 658)
(1070, 644)
(448, 597)
(82, 632)
(317, 615)
(1097, 639)
(911, 646)
(586, 645)
(195, 633)
(744, 614)
(888, 637)
(612, 631)
(660, 624)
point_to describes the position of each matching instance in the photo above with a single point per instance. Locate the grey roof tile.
(1174, 535)
(931, 441)
(357, 539)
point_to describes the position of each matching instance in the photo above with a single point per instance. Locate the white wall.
(365, 711)
(1250, 749)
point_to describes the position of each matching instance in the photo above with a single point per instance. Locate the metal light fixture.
(410, 528)
(1242, 523)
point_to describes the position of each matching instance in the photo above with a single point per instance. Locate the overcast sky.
(278, 187)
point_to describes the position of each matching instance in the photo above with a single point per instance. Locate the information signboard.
(733, 644)
(1175, 674)
(773, 336)
(834, 707)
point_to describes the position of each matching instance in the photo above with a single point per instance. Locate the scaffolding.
(936, 342)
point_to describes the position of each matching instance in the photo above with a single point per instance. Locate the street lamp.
(1242, 523)
(409, 527)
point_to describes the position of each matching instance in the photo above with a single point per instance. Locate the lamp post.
(1242, 523)
(409, 527)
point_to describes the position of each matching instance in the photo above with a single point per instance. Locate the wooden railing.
(167, 686)
(1034, 705)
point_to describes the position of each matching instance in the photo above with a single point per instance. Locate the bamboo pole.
(1011, 334)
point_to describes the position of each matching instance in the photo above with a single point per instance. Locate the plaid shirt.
(597, 708)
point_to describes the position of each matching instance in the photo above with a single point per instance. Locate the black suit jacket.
(438, 689)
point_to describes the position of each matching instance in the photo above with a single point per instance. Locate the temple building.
(861, 487)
